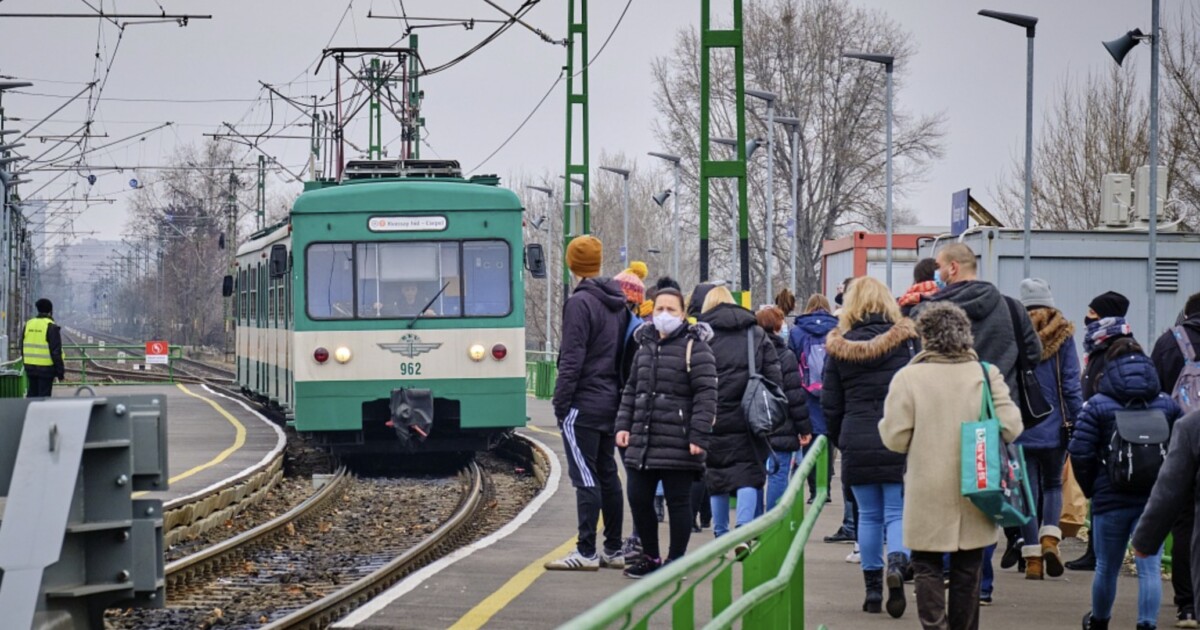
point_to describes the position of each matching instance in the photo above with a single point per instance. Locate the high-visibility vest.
(36, 347)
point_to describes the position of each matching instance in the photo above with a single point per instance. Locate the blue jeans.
(880, 509)
(780, 467)
(1044, 468)
(749, 505)
(1110, 536)
(989, 576)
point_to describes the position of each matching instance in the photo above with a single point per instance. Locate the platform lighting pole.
(793, 125)
(769, 260)
(888, 62)
(676, 162)
(624, 173)
(1118, 48)
(550, 258)
(1029, 23)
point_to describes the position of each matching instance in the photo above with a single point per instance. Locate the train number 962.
(410, 369)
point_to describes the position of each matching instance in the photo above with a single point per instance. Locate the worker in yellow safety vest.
(41, 347)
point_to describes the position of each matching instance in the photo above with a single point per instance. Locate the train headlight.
(499, 352)
(477, 352)
(321, 355)
(342, 354)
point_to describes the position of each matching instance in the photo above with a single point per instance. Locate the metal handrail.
(772, 579)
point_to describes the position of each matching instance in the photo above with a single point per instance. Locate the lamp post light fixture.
(676, 162)
(888, 62)
(1118, 48)
(769, 260)
(793, 125)
(624, 173)
(1029, 23)
(549, 228)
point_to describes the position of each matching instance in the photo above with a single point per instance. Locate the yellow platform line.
(239, 440)
(503, 596)
(534, 427)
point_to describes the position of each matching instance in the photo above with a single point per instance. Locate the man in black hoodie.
(587, 396)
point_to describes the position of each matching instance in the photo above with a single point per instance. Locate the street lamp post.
(1029, 23)
(549, 228)
(675, 160)
(624, 173)
(1118, 48)
(793, 125)
(769, 261)
(888, 62)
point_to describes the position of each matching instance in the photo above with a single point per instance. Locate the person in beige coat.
(940, 389)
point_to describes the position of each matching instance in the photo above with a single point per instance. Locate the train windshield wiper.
(428, 304)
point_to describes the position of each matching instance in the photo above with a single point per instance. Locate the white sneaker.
(574, 561)
(612, 561)
(854, 557)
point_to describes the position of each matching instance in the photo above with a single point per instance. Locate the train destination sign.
(407, 224)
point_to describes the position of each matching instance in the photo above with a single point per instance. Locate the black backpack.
(764, 403)
(1137, 450)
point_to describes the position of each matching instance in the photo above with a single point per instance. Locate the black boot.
(896, 603)
(874, 600)
(1091, 623)
(660, 508)
(1085, 563)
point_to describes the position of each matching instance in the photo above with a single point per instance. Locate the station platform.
(499, 581)
(210, 437)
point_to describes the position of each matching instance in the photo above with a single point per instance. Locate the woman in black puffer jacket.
(667, 411)
(871, 343)
(736, 459)
(796, 430)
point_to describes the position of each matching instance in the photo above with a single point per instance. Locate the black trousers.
(965, 575)
(701, 506)
(1181, 559)
(593, 471)
(677, 486)
(39, 386)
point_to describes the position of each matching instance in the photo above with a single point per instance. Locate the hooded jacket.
(806, 329)
(861, 364)
(1129, 381)
(1058, 375)
(991, 325)
(735, 458)
(589, 359)
(1175, 492)
(1168, 359)
(667, 406)
(786, 438)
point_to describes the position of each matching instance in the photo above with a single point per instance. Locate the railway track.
(185, 370)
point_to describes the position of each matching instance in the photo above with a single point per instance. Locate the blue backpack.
(812, 363)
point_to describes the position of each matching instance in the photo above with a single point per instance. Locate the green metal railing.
(772, 571)
(541, 372)
(115, 355)
(12, 379)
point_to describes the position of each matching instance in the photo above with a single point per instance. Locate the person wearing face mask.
(667, 412)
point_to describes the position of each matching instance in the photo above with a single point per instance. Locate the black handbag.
(1034, 407)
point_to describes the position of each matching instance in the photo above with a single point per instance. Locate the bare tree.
(793, 48)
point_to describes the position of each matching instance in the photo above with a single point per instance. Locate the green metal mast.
(577, 97)
(375, 124)
(710, 40)
(262, 191)
(414, 100)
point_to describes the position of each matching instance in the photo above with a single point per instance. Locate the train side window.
(270, 301)
(487, 278)
(329, 271)
(254, 296)
(242, 295)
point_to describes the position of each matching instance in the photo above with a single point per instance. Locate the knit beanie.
(639, 269)
(1036, 292)
(635, 291)
(1110, 304)
(646, 308)
(584, 255)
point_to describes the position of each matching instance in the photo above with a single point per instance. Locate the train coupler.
(411, 414)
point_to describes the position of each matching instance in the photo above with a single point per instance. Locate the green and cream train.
(387, 314)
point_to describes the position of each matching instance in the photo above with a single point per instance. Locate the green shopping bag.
(993, 473)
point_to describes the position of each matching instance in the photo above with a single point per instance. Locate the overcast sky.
(970, 68)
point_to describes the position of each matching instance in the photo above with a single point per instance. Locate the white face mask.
(666, 323)
(783, 331)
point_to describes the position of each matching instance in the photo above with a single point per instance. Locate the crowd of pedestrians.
(656, 376)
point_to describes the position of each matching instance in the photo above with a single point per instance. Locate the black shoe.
(1186, 618)
(705, 524)
(840, 536)
(696, 529)
(873, 602)
(895, 584)
(643, 567)
(1012, 553)
(1085, 563)
(1091, 623)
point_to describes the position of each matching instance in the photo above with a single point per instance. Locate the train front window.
(330, 272)
(401, 279)
(487, 290)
